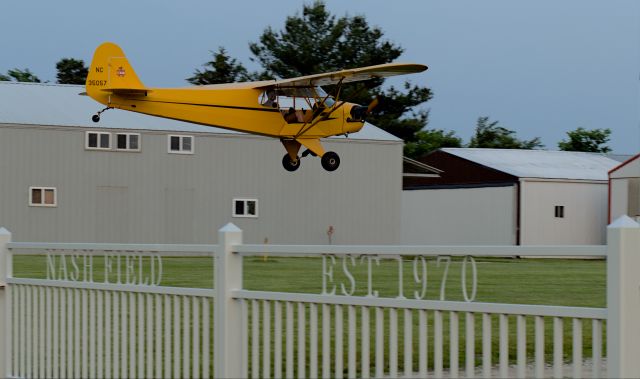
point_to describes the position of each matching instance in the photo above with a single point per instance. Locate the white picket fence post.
(5, 306)
(228, 358)
(623, 298)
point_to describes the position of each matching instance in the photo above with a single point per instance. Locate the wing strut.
(316, 117)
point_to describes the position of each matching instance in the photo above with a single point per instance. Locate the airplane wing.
(346, 76)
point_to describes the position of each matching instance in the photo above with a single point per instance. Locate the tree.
(316, 41)
(71, 71)
(431, 139)
(491, 135)
(222, 69)
(22, 75)
(4, 78)
(582, 139)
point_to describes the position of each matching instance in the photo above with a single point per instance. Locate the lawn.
(568, 282)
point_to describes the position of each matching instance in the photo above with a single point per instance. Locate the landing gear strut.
(307, 152)
(96, 117)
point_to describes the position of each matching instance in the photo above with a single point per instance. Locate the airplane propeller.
(374, 103)
(360, 112)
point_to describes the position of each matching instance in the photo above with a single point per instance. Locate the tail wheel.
(330, 161)
(290, 165)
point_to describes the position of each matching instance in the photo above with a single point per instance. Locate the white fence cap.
(230, 227)
(624, 221)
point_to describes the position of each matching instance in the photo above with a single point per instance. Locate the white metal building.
(136, 178)
(508, 197)
(624, 189)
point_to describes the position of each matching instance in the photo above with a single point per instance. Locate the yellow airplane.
(297, 110)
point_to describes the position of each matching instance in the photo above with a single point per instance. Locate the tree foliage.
(316, 41)
(492, 135)
(222, 69)
(71, 71)
(20, 76)
(582, 139)
(431, 139)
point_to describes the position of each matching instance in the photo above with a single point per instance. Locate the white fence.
(103, 311)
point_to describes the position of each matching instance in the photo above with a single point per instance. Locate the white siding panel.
(475, 216)
(585, 213)
(630, 169)
(112, 210)
(619, 197)
(174, 198)
(625, 196)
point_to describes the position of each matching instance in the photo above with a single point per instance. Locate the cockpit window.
(296, 97)
(322, 94)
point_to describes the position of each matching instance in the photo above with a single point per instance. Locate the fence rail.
(124, 323)
(593, 251)
(37, 248)
(449, 306)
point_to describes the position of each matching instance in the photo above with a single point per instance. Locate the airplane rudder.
(110, 68)
(98, 75)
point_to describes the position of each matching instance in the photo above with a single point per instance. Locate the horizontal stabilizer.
(126, 91)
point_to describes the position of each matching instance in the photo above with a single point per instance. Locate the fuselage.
(230, 107)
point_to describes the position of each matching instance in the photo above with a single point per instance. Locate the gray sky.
(541, 68)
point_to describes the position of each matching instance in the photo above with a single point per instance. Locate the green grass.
(523, 281)
(519, 281)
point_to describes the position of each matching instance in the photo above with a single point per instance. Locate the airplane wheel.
(290, 165)
(95, 118)
(330, 161)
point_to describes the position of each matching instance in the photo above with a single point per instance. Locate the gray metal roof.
(543, 164)
(61, 105)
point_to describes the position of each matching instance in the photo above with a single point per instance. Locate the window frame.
(42, 197)
(245, 201)
(86, 140)
(181, 138)
(559, 211)
(128, 142)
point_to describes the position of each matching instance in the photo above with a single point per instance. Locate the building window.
(181, 144)
(42, 197)
(128, 141)
(559, 211)
(245, 208)
(98, 141)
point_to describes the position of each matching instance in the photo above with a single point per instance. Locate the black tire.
(330, 161)
(288, 164)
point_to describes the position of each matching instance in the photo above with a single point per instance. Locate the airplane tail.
(110, 72)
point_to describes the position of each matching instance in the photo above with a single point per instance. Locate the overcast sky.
(541, 67)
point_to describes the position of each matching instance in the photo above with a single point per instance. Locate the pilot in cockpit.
(270, 99)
